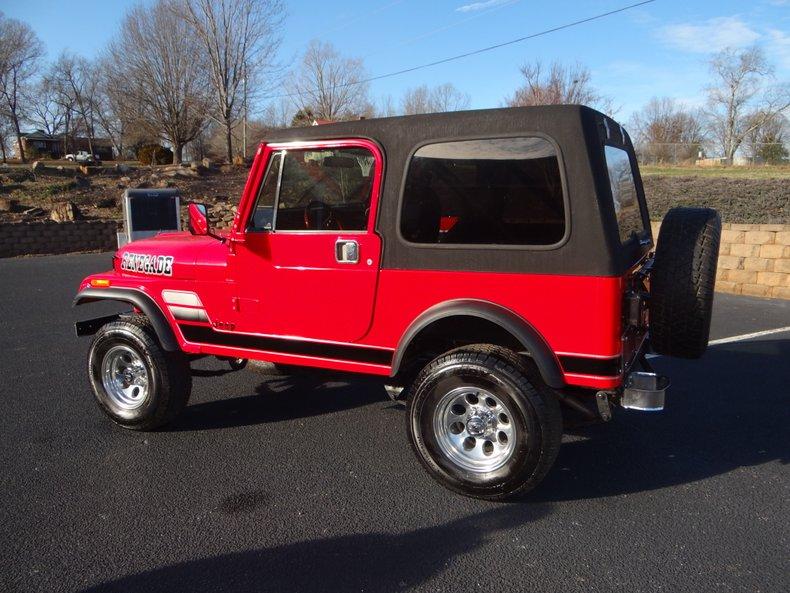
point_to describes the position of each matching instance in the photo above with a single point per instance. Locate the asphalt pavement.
(307, 482)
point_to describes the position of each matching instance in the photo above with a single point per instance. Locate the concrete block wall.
(754, 259)
(39, 238)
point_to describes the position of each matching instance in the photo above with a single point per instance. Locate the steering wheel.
(318, 215)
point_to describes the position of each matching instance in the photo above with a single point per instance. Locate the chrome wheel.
(125, 377)
(475, 429)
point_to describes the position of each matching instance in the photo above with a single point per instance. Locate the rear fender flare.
(532, 341)
(138, 299)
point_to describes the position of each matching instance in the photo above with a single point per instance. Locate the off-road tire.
(170, 379)
(535, 410)
(682, 282)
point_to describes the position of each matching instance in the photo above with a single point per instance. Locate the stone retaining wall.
(754, 259)
(39, 238)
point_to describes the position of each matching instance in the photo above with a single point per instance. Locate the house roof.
(42, 135)
(39, 135)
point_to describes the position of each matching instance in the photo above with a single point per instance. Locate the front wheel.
(138, 384)
(479, 426)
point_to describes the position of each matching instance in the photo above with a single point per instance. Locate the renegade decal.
(158, 265)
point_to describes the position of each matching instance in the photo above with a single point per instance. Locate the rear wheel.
(135, 382)
(682, 281)
(479, 426)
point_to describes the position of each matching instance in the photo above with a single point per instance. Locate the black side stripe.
(207, 335)
(602, 367)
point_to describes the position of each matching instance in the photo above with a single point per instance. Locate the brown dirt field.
(99, 196)
(737, 200)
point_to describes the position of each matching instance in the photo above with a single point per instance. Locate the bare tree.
(109, 102)
(20, 52)
(110, 121)
(666, 131)
(416, 100)
(240, 39)
(424, 99)
(739, 100)
(164, 83)
(277, 114)
(559, 85)
(77, 82)
(62, 97)
(6, 133)
(329, 85)
(446, 97)
(45, 111)
(386, 106)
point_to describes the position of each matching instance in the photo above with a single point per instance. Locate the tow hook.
(644, 391)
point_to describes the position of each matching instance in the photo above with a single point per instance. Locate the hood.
(173, 255)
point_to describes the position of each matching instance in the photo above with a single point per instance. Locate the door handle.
(346, 251)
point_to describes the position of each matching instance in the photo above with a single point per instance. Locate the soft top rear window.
(498, 191)
(626, 202)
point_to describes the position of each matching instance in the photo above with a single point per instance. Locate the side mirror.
(198, 219)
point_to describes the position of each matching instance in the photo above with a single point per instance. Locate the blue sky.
(655, 50)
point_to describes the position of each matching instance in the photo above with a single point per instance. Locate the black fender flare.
(532, 341)
(138, 299)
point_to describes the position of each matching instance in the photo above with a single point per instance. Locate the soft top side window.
(316, 189)
(498, 191)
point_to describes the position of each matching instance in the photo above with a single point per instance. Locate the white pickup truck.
(82, 156)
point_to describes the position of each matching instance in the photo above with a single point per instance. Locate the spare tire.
(682, 281)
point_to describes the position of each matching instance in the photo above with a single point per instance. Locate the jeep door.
(309, 259)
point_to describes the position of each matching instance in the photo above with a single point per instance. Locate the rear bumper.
(644, 391)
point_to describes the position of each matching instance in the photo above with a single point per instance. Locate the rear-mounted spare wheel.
(682, 281)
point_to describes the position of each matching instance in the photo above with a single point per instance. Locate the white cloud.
(778, 47)
(710, 36)
(475, 6)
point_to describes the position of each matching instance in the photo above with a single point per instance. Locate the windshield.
(626, 203)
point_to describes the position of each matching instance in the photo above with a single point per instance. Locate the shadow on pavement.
(731, 409)
(372, 562)
(283, 397)
(728, 410)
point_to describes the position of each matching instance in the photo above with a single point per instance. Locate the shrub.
(18, 175)
(773, 154)
(155, 154)
(58, 188)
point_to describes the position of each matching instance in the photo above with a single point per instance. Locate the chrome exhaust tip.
(644, 392)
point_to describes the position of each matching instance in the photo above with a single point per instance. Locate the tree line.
(174, 69)
(189, 73)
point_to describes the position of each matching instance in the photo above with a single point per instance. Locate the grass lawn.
(757, 172)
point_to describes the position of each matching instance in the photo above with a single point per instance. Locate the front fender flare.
(532, 341)
(138, 299)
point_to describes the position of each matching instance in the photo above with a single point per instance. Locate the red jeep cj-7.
(496, 266)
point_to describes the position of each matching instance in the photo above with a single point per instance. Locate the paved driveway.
(272, 483)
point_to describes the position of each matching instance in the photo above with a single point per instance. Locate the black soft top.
(592, 246)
